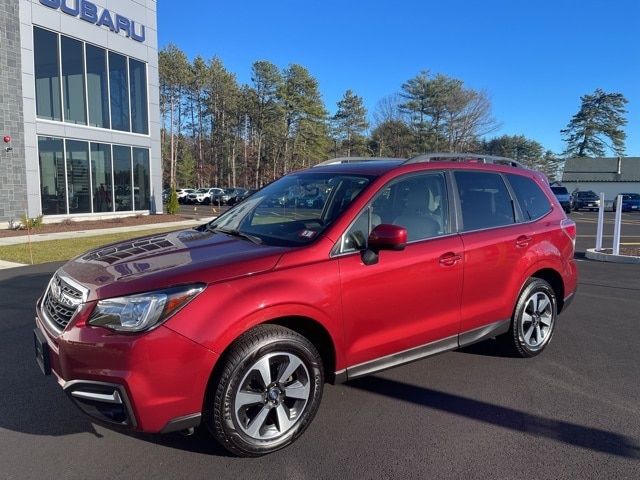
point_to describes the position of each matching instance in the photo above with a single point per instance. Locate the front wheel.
(534, 318)
(268, 391)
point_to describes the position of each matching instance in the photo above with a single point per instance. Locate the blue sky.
(535, 59)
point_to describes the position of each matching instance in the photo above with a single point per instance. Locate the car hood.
(167, 259)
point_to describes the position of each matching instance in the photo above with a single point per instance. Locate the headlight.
(137, 313)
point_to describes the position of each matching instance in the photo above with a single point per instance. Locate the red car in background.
(238, 323)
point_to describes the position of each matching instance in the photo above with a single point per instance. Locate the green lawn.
(57, 250)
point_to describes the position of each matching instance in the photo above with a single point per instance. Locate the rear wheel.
(534, 319)
(267, 393)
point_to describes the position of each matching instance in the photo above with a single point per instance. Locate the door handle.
(448, 259)
(523, 241)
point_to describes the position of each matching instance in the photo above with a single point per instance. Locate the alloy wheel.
(272, 396)
(537, 320)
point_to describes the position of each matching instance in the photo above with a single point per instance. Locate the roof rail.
(464, 157)
(339, 160)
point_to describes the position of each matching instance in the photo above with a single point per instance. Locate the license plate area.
(42, 351)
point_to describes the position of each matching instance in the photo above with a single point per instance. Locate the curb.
(593, 254)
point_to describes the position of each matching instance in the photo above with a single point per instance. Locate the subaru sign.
(89, 12)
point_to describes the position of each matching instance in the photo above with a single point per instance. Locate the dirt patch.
(71, 226)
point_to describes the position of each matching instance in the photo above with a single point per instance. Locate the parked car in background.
(562, 194)
(238, 323)
(630, 202)
(217, 196)
(230, 195)
(203, 196)
(182, 193)
(585, 200)
(239, 198)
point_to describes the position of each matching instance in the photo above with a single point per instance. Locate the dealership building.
(79, 109)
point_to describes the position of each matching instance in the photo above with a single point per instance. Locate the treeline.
(218, 132)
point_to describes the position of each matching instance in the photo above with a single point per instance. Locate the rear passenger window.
(484, 200)
(533, 202)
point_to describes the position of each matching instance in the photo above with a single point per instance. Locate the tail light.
(569, 228)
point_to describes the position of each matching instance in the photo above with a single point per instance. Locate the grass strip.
(58, 250)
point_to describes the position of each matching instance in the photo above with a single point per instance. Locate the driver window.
(418, 203)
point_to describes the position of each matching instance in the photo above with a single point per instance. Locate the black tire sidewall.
(531, 286)
(224, 418)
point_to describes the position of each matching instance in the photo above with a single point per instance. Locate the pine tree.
(350, 121)
(598, 126)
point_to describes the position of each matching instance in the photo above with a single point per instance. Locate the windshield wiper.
(237, 233)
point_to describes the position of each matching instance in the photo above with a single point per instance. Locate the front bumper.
(152, 382)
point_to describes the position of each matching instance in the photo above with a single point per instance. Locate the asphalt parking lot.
(587, 223)
(573, 412)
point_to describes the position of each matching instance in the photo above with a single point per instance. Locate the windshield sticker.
(308, 234)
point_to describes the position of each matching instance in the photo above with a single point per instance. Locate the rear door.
(410, 299)
(494, 246)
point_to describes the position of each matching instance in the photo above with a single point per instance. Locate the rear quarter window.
(533, 202)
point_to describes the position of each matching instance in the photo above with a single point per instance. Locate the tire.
(525, 326)
(282, 416)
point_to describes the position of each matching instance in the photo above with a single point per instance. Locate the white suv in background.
(182, 193)
(204, 195)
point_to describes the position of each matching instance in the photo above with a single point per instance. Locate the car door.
(409, 299)
(495, 246)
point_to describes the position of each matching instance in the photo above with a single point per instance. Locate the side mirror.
(384, 237)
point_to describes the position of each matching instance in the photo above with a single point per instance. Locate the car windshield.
(294, 210)
(630, 196)
(560, 190)
(202, 190)
(586, 194)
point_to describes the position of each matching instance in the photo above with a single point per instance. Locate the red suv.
(238, 323)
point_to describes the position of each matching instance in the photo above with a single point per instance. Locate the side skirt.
(427, 350)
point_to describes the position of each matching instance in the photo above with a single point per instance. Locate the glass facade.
(80, 83)
(101, 177)
(78, 183)
(53, 187)
(47, 74)
(122, 178)
(73, 81)
(83, 84)
(119, 93)
(141, 191)
(89, 177)
(138, 89)
(97, 87)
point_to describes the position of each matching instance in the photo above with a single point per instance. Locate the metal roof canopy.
(430, 157)
(463, 157)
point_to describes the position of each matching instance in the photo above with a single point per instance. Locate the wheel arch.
(553, 278)
(317, 334)
(308, 327)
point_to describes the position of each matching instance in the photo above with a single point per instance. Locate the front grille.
(61, 301)
(57, 312)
